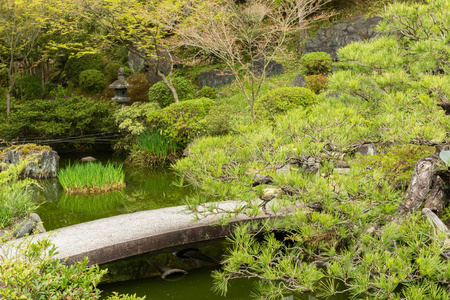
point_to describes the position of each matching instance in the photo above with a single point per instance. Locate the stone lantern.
(120, 87)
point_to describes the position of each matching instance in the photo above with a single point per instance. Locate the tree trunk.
(8, 100)
(168, 84)
(420, 184)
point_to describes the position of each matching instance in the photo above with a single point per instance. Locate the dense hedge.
(92, 80)
(316, 63)
(281, 100)
(62, 117)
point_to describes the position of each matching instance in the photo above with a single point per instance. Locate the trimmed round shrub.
(75, 65)
(283, 99)
(183, 121)
(92, 80)
(160, 93)
(28, 87)
(316, 63)
(316, 83)
(207, 92)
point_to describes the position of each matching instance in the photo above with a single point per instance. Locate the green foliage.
(183, 121)
(217, 122)
(28, 87)
(92, 80)
(316, 83)
(112, 68)
(15, 199)
(388, 90)
(281, 100)
(61, 117)
(161, 94)
(153, 148)
(396, 165)
(133, 119)
(207, 92)
(315, 63)
(91, 178)
(31, 273)
(77, 64)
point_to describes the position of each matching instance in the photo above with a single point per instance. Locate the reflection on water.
(196, 285)
(145, 189)
(91, 203)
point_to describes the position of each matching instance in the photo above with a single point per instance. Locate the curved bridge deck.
(123, 236)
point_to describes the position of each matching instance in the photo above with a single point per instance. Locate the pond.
(145, 189)
(195, 285)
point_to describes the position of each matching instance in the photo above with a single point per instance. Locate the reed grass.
(15, 203)
(92, 178)
(153, 148)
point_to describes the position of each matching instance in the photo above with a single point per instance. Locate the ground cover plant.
(15, 199)
(92, 177)
(29, 271)
(350, 236)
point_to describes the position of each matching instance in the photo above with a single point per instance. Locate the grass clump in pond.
(92, 178)
(153, 148)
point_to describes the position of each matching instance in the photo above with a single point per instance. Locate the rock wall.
(340, 34)
(44, 166)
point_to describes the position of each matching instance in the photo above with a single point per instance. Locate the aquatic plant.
(92, 177)
(153, 148)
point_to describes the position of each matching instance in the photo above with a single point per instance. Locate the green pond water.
(194, 286)
(145, 189)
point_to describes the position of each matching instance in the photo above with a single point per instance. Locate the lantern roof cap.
(120, 83)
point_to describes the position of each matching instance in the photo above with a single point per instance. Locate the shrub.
(316, 83)
(91, 178)
(183, 121)
(28, 87)
(133, 119)
(32, 274)
(62, 117)
(207, 92)
(161, 94)
(15, 199)
(92, 80)
(315, 63)
(75, 65)
(283, 99)
(217, 122)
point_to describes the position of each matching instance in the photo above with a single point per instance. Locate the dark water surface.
(197, 285)
(145, 189)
